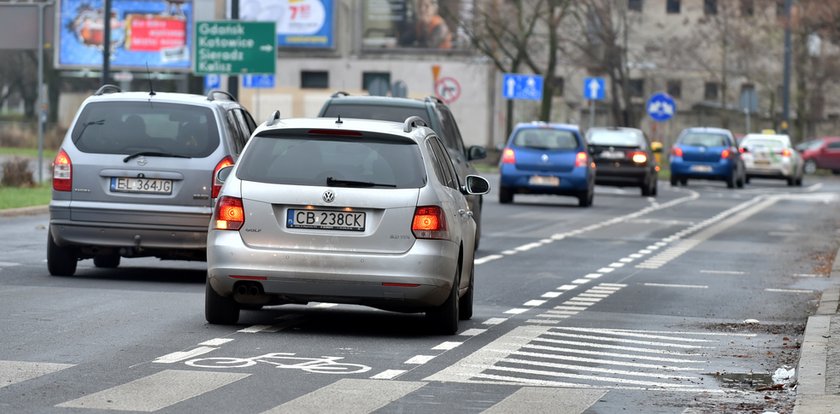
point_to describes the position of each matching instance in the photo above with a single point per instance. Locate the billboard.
(300, 23)
(414, 24)
(156, 33)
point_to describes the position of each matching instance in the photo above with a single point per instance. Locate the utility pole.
(786, 76)
(106, 43)
(233, 80)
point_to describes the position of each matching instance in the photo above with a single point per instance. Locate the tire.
(108, 261)
(675, 181)
(799, 181)
(683, 182)
(810, 167)
(791, 181)
(505, 195)
(585, 199)
(649, 188)
(747, 179)
(219, 310)
(445, 317)
(465, 307)
(740, 181)
(61, 261)
(730, 181)
(655, 187)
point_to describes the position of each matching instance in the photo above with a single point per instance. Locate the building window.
(747, 8)
(559, 84)
(376, 83)
(780, 8)
(710, 7)
(637, 88)
(672, 6)
(634, 5)
(711, 91)
(749, 98)
(674, 88)
(314, 79)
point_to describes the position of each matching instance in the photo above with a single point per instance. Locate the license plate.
(701, 168)
(541, 180)
(612, 155)
(762, 162)
(141, 185)
(325, 220)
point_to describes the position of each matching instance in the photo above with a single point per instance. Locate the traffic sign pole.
(591, 113)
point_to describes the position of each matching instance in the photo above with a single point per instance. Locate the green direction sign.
(233, 47)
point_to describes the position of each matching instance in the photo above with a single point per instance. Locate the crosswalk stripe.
(354, 396)
(156, 391)
(12, 372)
(547, 400)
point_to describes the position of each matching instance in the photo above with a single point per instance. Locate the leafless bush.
(16, 173)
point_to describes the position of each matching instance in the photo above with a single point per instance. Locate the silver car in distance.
(344, 211)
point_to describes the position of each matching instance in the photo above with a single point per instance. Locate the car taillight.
(229, 214)
(743, 150)
(508, 156)
(429, 223)
(639, 157)
(581, 159)
(217, 185)
(62, 172)
(725, 153)
(785, 152)
(677, 152)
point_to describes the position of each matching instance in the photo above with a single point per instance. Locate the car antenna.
(149, 74)
(339, 121)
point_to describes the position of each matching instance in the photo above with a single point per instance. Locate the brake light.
(581, 159)
(217, 185)
(785, 152)
(229, 214)
(62, 172)
(725, 153)
(429, 223)
(508, 156)
(743, 150)
(639, 157)
(677, 152)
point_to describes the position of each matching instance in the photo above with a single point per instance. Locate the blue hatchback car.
(543, 158)
(708, 154)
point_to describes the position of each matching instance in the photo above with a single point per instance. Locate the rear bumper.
(702, 170)
(573, 182)
(621, 176)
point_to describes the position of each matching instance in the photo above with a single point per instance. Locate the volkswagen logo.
(328, 196)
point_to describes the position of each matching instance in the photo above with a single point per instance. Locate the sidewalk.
(818, 371)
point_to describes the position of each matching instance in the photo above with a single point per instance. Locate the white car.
(344, 211)
(771, 156)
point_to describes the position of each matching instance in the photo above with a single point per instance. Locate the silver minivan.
(135, 176)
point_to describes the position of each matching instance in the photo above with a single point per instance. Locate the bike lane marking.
(203, 348)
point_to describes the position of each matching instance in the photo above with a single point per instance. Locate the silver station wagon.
(344, 211)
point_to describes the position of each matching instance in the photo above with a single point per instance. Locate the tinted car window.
(442, 163)
(834, 145)
(450, 135)
(380, 112)
(130, 127)
(617, 139)
(704, 139)
(547, 138)
(301, 160)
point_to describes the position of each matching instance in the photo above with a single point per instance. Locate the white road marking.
(551, 295)
(577, 303)
(595, 378)
(8, 264)
(806, 275)
(616, 265)
(677, 336)
(534, 303)
(376, 395)
(571, 308)
(613, 354)
(589, 294)
(581, 281)
(723, 272)
(605, 270)
(562, 312)
(156, 391)
(567, 287)
(677, 286)
(473, 332)
(486, 259)
(516, 311)
(446, 346)
(612, 347)
(586, 368)
(494, 321)
(547, 400)
(624, 340)
(325, 305)
(389, 374)
(592, 276)
(12, 372)
(184, 355)
(254, 329)
(216, 342)
(789, 290)
(526, 247)
(419, 359)
(508, 252)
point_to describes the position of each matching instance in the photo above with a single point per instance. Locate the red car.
(822, 153)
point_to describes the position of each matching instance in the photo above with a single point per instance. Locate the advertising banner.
(300, 23)
(143, 32)
(414, 24)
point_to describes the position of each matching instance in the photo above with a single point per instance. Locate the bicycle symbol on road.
(322, 365)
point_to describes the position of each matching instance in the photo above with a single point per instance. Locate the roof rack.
(275, 116)
(339, 93)
(412, 122)
(107, 88)
(211, 96)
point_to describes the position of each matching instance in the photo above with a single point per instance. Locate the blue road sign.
(661, 107)
(258, 81)
(212, 82)
(516, 86)
(594, 89)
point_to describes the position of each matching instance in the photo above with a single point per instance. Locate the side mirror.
(224, 173)
(476, 185)
(476, 152)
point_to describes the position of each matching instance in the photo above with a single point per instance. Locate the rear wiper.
(87, 124)
(352, 183)
(153, 154)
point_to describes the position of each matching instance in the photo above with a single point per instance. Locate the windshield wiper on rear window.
(352, 183)
(87, 124)
(153, 154)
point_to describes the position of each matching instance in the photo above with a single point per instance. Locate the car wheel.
(505, 195)
(740, 181)
(655, 187)
(585, 199)
(445, 317)
(61, 261)
(648, 188)
(674, 181)
(218, 309)
(747, 179)
(465, 307)
(730, 181)
(810, 167)
(799, 181)
(683, 182)
(107, 261)
(791, 181)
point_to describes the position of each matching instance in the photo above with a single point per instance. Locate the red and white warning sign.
(447, 89)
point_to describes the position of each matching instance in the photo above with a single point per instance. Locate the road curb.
(24, 211)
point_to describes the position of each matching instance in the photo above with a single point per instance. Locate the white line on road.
(184, 355)
(789, 290)
(420, 359)
(216, 342)
(677, 286)
(723, 272)
(446, 346)
(389, 374)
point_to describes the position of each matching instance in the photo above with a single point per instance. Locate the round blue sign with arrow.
(661, 107)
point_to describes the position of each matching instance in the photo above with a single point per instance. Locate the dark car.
(624, 158)
(543, 158)
(437, 116)
(821, 153)
(135, 176)
(707, 154)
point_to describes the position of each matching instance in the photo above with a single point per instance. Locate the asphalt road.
(687, 302)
